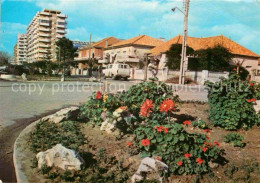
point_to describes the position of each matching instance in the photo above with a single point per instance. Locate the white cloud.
(78, 33)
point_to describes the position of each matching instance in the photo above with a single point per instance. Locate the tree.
(216, 58)
(65, 53)
(4, 58)
(174, 56)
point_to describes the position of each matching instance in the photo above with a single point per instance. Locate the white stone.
(149, 165)
(257, 106)
(61, 157)
(107, 126)
(24, 77)
(62, 115)
(92, 79)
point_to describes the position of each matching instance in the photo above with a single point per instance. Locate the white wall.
(200, 76)
(138, 74)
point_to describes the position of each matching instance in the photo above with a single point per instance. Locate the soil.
(97, 140)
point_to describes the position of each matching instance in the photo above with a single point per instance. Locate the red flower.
(128, 144)
(166, 106)
(187, 155)
(234, 69)
(199, 160)
(145, 142)
(161, 128)
(179, 163)
(165, 130)
(207, 130)
(146, 108)
(216, 143)
(159, 158)
(98, 95)
(204, 149)
(207, 137)
(251, 84)
(251, 100)
(187, 122)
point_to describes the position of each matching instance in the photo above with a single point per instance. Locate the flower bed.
(151, 108)
(142, 120)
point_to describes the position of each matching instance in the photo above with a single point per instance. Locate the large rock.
(63, 115)
(61, 157)
(150, 166)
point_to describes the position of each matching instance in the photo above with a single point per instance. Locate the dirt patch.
(114, 147)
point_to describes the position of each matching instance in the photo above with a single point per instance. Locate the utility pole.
(89, 57)
(184, 43)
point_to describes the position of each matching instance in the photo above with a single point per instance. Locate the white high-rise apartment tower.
(44, 30)
(21, 49)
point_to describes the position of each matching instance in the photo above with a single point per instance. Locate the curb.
(21, 150)
(18, 155)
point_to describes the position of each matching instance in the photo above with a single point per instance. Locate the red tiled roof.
(143, 40)
(102, 43)
(203, 43)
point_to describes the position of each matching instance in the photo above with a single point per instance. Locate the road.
(22, 103)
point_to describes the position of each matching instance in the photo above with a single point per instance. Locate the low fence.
(200, 76)
(138, 74)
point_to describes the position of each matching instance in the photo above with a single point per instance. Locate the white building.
(44, 30)
(20, 49)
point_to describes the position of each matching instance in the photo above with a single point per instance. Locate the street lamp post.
(184, 42)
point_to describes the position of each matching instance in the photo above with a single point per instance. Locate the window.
(45, 21)
(61, 23)
(110, 66)
(125, 66)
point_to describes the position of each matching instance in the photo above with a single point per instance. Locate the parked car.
(117, 71)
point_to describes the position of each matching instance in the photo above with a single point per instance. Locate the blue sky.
(236, 19)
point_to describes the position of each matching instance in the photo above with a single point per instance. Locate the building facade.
(130, 51)
(94, 51)
(44, 30)
(241, 55)
(20, 49)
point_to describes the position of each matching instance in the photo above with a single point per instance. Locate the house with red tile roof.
(130, 51)
(94, 50)
(242, 55)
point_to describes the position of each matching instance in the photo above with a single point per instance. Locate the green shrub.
(172, 145)
(48, 134)
(235, 140)
(94, 107)
(137, 94)
(200, 124)
(231, 103)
